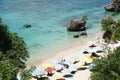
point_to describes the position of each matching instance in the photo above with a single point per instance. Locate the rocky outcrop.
(27, 26)
(107, 36)
(76, 36)
(77, 25)
(115, 6)
(82, 33)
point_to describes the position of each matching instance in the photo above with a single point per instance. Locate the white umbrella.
(73, 68)
(92, 65)
(117, 45)
(66, 71)
(92, 50)
(58, 66)
(99, 48)
(95, 49)
(56, 61)
(68, 62)
(38, 71)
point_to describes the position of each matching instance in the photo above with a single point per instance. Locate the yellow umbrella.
(89, 59)
(47, 65)
(79, 64)
(32, 79)
(58, 75)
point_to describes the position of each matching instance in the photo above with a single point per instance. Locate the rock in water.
(76, 36)
(82, 33)
(115, 6)
(27, 26)
(77, 25)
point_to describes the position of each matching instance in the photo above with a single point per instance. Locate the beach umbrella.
(66, 71)
(92, 65)
(58, 75)
(79, 64)
(56, 61)
(50, 70)
(73, 68)
(45, 65)
(98, 48)
(117, 45)
(92, 50)
(58, 66)
(68, 62)
(38, 71)
(89, 59)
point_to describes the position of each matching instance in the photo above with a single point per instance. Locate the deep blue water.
(49, 19)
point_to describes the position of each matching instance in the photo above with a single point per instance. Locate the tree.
(13, 53)
(108, 67)
(85, 18)
(111, 28)
(107, 22)
(26, 73)
(116, 32)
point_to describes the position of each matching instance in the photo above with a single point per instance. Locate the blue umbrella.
(38, 71)
(56, 61)
(58, 66)
(68, 62)
(66, 71)
(73, 68)
(92, 65)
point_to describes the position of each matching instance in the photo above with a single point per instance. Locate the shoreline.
(67, 51)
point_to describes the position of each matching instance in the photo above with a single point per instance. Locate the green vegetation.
(111, 28)
(107, 68)
(107, 22)
(13, 53)
(26, 74)
(84, 18)
(116, 32)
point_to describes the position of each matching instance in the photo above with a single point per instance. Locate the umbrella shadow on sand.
(41, 78)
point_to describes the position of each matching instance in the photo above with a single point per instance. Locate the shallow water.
(49, 19)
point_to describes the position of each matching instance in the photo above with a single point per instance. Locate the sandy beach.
(72, 53)
(75, 51)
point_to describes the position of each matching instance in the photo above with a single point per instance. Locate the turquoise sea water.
(49, 19)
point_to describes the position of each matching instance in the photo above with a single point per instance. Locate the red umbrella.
(50, 70)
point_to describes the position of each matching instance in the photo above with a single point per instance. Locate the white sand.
(72, 52)
(76, 51)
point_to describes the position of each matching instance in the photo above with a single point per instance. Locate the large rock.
(77, 25)
(115, 6)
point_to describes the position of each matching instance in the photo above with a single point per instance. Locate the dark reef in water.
(27, 26)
